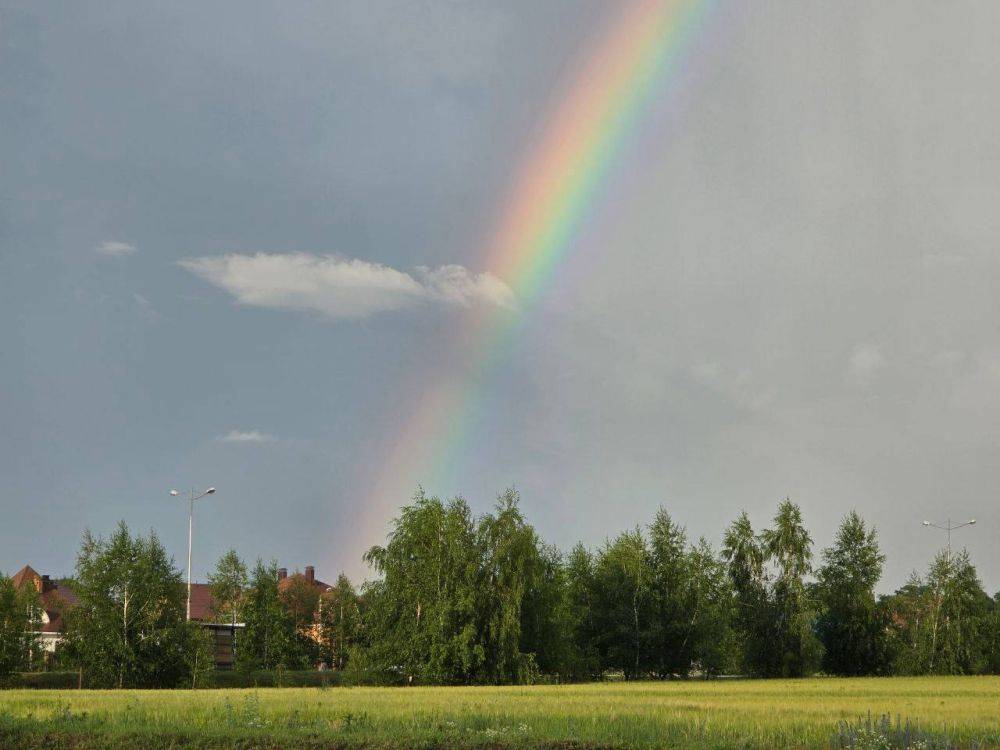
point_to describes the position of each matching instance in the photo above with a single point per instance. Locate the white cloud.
(114, 248)
(866, 360)
(738, 386)
(343, 288)
(245, 436)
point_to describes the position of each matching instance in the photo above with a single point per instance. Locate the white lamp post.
(950, 527)
(191, 498)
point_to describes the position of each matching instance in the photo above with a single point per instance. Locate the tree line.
(466, 599)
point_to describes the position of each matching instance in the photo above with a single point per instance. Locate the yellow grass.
(721, 714)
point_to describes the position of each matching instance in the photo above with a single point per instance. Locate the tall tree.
(775, 613)
(850, 625)
(20, 620)
(269, 639)
(670, 582)
(746, 557)
(128, 628)
(581, 633)
(422, 615)
(339, 623)
(229, 587)
(623, 604)
(789, 547)
(509, 551)
(709, 640)
(546, 624)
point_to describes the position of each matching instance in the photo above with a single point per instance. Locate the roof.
(56, 601)
(56, 596)
(202, 602)
(285, 582)
(24, 574)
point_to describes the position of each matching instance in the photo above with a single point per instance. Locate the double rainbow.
(557, 186)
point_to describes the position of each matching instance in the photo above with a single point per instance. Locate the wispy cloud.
(865, 362)
(146, 308)
(344, 288)
(115, 249)
(245, 436)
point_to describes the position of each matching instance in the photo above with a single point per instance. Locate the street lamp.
(950, 527)
(191, 498)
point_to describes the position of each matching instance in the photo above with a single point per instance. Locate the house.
(56, 597)
(285, 581)
(309, 581)
(223, 633)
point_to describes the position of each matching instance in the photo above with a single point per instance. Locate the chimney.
(310, 574)
(282, 574)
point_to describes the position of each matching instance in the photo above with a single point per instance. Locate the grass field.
(723, 714)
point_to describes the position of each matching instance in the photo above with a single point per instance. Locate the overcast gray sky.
(787, 287)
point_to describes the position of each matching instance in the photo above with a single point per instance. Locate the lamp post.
(191, 498)
(950, 527)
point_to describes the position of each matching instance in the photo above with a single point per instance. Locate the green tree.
(992, 639)
(745, 556)
(623, 604)
(789, 547)
(670, 582)
(20, 619)
(301, 600)
(906, 612)
(709, 640)
(270, 639)
(775, 614)
(941, 624)
(509, 550)
(583, 660)
(546, 614)
(128, 628)
(850, 625)
(340, 623)
(449, 604)
(422, 611)
(229, 586)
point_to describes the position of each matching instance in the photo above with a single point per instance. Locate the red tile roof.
(202, 603)
(285, 582)
(56, 596)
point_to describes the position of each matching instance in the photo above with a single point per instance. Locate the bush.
(41, 680)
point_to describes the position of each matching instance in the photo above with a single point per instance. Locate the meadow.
(716, 714)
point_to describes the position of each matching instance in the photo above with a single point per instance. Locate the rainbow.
(553, 192)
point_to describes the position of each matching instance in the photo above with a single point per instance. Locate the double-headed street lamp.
(950, 527)
(191, 498)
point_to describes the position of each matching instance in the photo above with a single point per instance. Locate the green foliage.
(20, 619)
(941, 624)
(199, 655)
(448, 607)
(339, 623)
(775, 611)
(624, 604)
(229, 584)
(850, 625)
(270, 638)
(422, 613)
(465, 600)
(128, 628)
